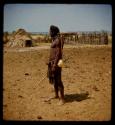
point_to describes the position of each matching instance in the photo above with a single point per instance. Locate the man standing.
(54, 71)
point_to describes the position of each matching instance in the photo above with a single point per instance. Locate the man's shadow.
(76, 97)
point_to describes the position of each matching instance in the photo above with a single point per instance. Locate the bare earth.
(86, 76)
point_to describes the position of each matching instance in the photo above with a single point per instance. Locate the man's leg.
(56, 90)
(61, 90)
(54, 81)
(60, 86)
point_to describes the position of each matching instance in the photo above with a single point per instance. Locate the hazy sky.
(68, 17)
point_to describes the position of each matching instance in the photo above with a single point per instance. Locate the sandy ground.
(86, 76)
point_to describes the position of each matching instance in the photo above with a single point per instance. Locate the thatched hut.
(20, 38)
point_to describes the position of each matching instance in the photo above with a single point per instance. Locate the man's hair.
(54, 31)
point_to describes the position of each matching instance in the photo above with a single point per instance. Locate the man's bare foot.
(61, 102)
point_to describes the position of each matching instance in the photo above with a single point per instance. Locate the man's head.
(54, 31)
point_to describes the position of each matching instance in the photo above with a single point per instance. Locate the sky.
(68, 17)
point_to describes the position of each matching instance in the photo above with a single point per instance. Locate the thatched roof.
(19, 38)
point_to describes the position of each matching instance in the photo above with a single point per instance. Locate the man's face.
(51, 33)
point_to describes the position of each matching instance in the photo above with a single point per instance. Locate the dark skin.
(55, 55)
(54, 66)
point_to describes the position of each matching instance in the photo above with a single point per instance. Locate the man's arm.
(58, 52)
